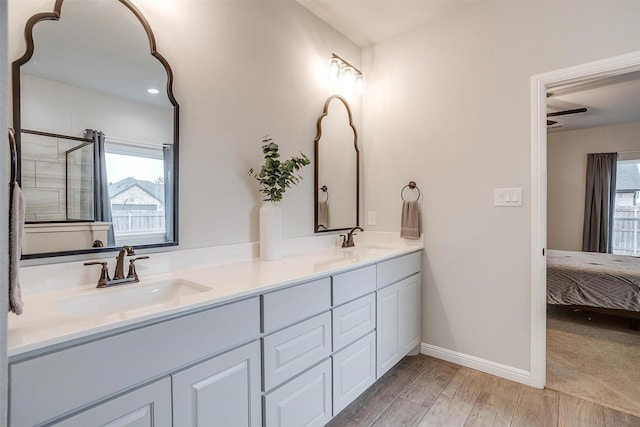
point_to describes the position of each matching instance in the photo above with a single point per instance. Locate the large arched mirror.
(96, 130)
(337, 168)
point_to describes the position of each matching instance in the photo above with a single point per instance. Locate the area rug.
(595, 357)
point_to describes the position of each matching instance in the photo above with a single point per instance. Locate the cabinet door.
(354, 370)
(149, 406)
(388, 327)
(303, 401)
(223, 391)
(410, 313)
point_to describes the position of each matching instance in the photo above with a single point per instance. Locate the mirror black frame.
(316, 142)
(15, 76)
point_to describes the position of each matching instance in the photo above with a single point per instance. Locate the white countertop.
(44, 323)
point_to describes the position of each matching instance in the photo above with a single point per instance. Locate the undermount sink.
(127, 298)
(368, 248)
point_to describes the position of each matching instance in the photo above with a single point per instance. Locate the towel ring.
(325, 190)
(411, 185)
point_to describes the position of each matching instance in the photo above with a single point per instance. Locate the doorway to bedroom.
(589, 355)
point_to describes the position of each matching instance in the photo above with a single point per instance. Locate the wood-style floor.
(423, 391)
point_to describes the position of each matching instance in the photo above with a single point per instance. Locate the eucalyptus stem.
(275, 176)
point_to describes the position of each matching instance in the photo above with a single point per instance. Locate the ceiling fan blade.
(565, 112)
(551, 122)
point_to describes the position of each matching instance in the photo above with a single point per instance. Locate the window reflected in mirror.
(137, 177)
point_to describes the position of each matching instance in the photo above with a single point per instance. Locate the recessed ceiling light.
(153, 91)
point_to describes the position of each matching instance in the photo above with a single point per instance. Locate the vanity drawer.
(353, 320)
(292, 350)
(282, 308)
(304, 401)
(146, 406)
(354, 370)
(397, 269)
(353, 284)
(68, 379)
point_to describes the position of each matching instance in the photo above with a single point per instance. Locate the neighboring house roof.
(154, 190)
(627, 178)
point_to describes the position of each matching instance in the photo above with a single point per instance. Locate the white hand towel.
(410, 225)
(16, 229)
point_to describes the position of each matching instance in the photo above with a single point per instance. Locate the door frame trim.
(540, 83)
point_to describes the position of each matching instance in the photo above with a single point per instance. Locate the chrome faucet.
(347, 240)
(118, 275)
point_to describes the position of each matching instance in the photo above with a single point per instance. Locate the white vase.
(270, 231)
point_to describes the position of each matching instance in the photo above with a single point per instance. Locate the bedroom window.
(626, 217)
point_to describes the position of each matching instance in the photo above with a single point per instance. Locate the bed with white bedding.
(589, 280)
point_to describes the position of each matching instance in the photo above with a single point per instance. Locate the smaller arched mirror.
(337, 168)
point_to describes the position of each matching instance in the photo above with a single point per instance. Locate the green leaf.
(276, 176)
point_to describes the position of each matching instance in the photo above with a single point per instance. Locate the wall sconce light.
(342, 71)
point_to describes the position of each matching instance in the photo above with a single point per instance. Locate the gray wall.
(449, 107)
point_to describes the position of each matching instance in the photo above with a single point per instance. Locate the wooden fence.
(137, 222)
(626, 230)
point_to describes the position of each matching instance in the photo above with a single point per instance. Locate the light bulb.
(334, 69)
(360, 84)
(348, 75)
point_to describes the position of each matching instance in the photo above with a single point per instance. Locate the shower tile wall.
(43, 177)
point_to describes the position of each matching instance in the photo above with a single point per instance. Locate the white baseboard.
(473, 362)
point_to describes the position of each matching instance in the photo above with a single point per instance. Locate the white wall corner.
(477, 363)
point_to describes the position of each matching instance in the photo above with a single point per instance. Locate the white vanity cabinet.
(398, 310)
(293, 356)
(57, 384)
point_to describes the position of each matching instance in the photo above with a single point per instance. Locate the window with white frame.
(626, 217)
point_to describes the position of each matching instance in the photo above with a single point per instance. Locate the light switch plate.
(507, 197)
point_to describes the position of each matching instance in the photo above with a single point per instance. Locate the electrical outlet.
(371, 218)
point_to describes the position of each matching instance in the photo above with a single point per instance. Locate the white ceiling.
(367, 22)
(608, 101)
(109, 54)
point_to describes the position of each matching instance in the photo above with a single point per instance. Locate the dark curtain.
(167, 152)
(600, 199)
(102, 204)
